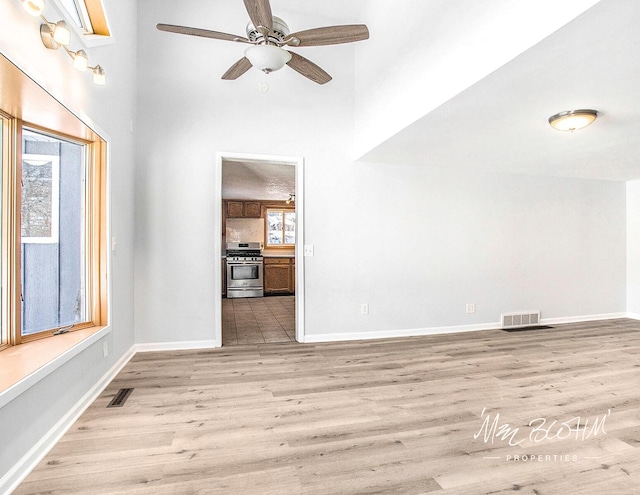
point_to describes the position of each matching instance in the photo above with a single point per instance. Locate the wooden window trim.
(93, 12)
(95, 177)
(98, 18)
(23, 98)
(8, 133)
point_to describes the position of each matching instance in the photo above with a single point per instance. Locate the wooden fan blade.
(204, 33)
(260, 13)
(308, 69)
(330, 35)
(237, 69)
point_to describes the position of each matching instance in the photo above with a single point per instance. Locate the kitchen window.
(280, 228)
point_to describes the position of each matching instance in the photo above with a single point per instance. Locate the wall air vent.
(520, 319)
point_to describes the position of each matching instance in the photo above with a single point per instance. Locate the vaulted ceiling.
(469, 85)
(500, 123)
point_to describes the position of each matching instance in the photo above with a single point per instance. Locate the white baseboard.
(30, 460)
(176, 346)
(581, 319)
(390, 334)
(633, 316)
(417, 332)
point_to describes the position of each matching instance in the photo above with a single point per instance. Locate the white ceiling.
(500, 124)
(257, 180)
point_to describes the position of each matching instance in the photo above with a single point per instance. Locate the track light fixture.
(56, 35)
(292, 197)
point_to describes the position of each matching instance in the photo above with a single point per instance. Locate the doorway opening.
(260, 232)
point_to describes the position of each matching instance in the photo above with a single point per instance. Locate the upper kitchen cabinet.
(243, 209)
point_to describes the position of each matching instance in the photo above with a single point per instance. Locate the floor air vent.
(520, 319)
(121, 397)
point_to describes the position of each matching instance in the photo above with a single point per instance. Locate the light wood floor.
(392, 416)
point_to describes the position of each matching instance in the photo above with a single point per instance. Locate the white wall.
(435, 240)
(633, 248)
(416, 243)
(111, 109)
(186, 115)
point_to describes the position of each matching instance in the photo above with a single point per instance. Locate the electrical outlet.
(364, 309)
(471, 308)
(105, 348)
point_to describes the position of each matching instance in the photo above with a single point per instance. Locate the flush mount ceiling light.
(572, 119)
(267, 58)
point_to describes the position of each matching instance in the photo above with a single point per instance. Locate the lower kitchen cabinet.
(279, 275)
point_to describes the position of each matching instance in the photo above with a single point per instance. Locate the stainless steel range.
(244, 270)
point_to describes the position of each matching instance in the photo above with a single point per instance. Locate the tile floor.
(258, 320)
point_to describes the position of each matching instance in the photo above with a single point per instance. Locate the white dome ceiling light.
(573, 120)
(267, 58)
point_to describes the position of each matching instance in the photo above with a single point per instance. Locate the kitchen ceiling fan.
(269, 36)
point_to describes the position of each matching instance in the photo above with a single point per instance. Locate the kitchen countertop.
(272, 255)
(267, 254)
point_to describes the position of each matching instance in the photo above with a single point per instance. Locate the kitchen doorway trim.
(298, 163)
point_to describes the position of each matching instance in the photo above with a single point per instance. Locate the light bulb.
(33, 7)
(267, 58)
(80, 60)
(99, 77)
(61, 33)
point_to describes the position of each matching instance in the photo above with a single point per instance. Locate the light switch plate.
(308, 249)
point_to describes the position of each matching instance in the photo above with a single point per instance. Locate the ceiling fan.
(269, 35)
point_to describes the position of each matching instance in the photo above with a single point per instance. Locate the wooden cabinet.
(293, 275)
(243, 209)
(252, 209)
(279, 275)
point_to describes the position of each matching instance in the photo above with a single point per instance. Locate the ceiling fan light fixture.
(573, 119)
(267, 58)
